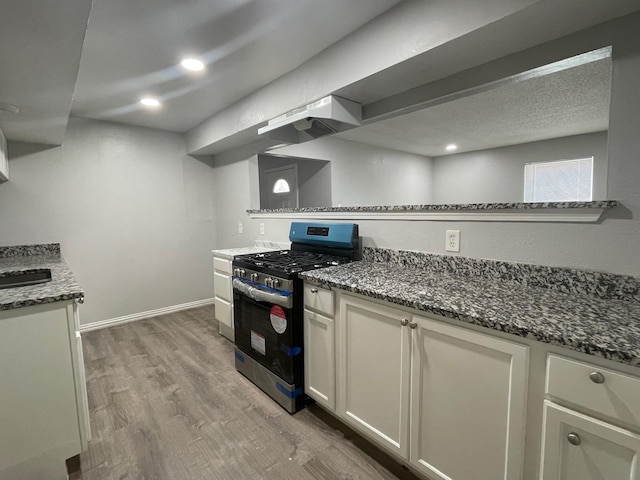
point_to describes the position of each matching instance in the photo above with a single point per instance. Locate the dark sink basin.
(24, 278)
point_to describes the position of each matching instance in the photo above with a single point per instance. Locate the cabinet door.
(577, 447)
(222, 286)
(319, 359)
(224, 312)
(373, 369)
(467, 403)
(79, 375)
(4, 159)
(38, 399)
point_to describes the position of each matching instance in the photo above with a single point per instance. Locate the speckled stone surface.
(567, 280)
(448, 207)
(230, 253)
(63, 285)
(588, 323)
(26, 250)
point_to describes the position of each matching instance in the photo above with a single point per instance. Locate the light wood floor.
(166, 403)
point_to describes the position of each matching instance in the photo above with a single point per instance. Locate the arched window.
(281, 186)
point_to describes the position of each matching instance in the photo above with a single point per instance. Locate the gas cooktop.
(288, 261)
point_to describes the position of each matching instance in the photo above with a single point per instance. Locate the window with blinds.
(559, 181)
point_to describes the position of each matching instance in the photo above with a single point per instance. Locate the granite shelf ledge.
(582, 212)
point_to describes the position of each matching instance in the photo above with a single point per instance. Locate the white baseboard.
(142, 315)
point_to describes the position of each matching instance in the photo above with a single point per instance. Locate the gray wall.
(236, 191)
(366, 175)
(609, 246)
(133, 213)
(314, 179)
(497, 175)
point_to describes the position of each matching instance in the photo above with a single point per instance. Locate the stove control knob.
(275, 283)
(236, 272)
(268, 282)
(254, 277)
(241, 272)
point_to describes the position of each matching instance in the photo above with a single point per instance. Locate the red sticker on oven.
(278, 319)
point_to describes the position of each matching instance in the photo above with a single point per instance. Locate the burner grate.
(293, 261)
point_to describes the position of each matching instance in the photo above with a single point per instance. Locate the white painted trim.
(578, 215)
(142, 315)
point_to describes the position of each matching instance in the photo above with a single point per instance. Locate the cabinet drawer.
(318, 299)
(224, 312)
(601, 390)
(222, 286)
(222, 265)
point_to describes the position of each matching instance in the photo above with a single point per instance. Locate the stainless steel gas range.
(268, 306)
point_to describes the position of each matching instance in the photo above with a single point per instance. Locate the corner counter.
(63, 285)
(409, 349)
(44, 408)
(590, 312)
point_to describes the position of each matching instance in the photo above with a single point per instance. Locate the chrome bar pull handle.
(596, 377)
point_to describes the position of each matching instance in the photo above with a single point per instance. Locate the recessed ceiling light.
(451, 147)
(150, 102)
(192, 64)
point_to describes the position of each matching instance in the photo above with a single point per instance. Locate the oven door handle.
(261, 295)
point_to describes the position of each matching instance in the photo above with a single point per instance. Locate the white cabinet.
(223, 296)
(319, 359)
(597, 437)
(577, 447)
(374, 372)
(43, 401)
(319, 346)
(468, 403)
(4, 159)
(449, 401)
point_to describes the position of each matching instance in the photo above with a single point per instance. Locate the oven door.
(267, 329)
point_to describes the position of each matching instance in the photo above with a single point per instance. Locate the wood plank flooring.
(167, 403)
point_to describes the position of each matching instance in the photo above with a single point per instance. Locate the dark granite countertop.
(605, 327)
(63, 285)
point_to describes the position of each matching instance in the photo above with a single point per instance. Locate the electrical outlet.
(240, 227)
(453, 241)
(262, 229)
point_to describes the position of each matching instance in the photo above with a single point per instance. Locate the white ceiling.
(40, 47)
(567, 101)
(96, 58)
(133, 48)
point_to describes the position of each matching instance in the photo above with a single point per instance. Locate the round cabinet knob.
(596, 377)
(404, 322)
(574, 439)
(314, 290)
(413, 325)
